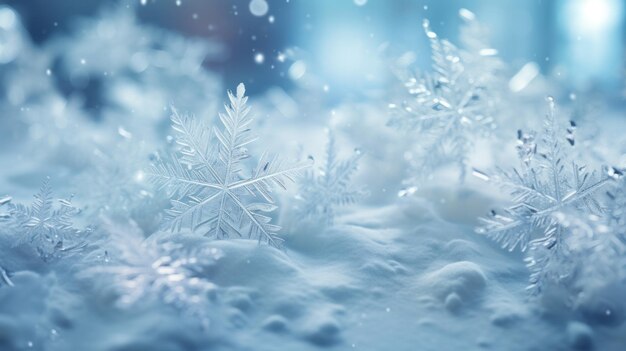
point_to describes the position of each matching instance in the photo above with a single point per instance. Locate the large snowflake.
(450, 107)
(322, 191)
(547, 184)
(47, 229)
(211, 191)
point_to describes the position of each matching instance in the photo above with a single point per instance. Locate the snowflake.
(451, 106)
(210, 190)
(48, 230)
(156, 269)
(330, 187)
(546, 185)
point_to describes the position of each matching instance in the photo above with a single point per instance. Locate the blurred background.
(346, 44)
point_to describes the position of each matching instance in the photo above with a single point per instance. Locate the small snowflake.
(322, 191)
(47, 229)
(211, 191)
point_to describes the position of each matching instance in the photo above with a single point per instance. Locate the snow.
(405, 277)
(387, 273)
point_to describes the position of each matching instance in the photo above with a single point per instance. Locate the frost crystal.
(174, 273)
(210, 191)
(600, 241)
(330, 187)
(48, 230)
(546, 185)
(450, 107)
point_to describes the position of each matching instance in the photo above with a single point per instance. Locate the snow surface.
(396, 277)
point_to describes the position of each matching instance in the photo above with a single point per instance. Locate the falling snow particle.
(259, 58)
(360, 2)
(297, 70)
(258, 8)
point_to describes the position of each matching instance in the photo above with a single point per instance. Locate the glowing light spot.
(7, 18)
(297, 70)
(259, 58)
(523, 77)
(594, 15)
(259, 8)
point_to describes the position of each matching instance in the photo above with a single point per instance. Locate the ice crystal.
(547, 183)
(156, 269)
(322, 191)
(449, 108)
(211, 192)
(47, 228)
(600, 241)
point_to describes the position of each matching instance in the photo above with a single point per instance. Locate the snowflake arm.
(5, 279)
(601, 240)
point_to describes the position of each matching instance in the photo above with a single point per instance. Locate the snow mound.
(579, 336)
(456, 284)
